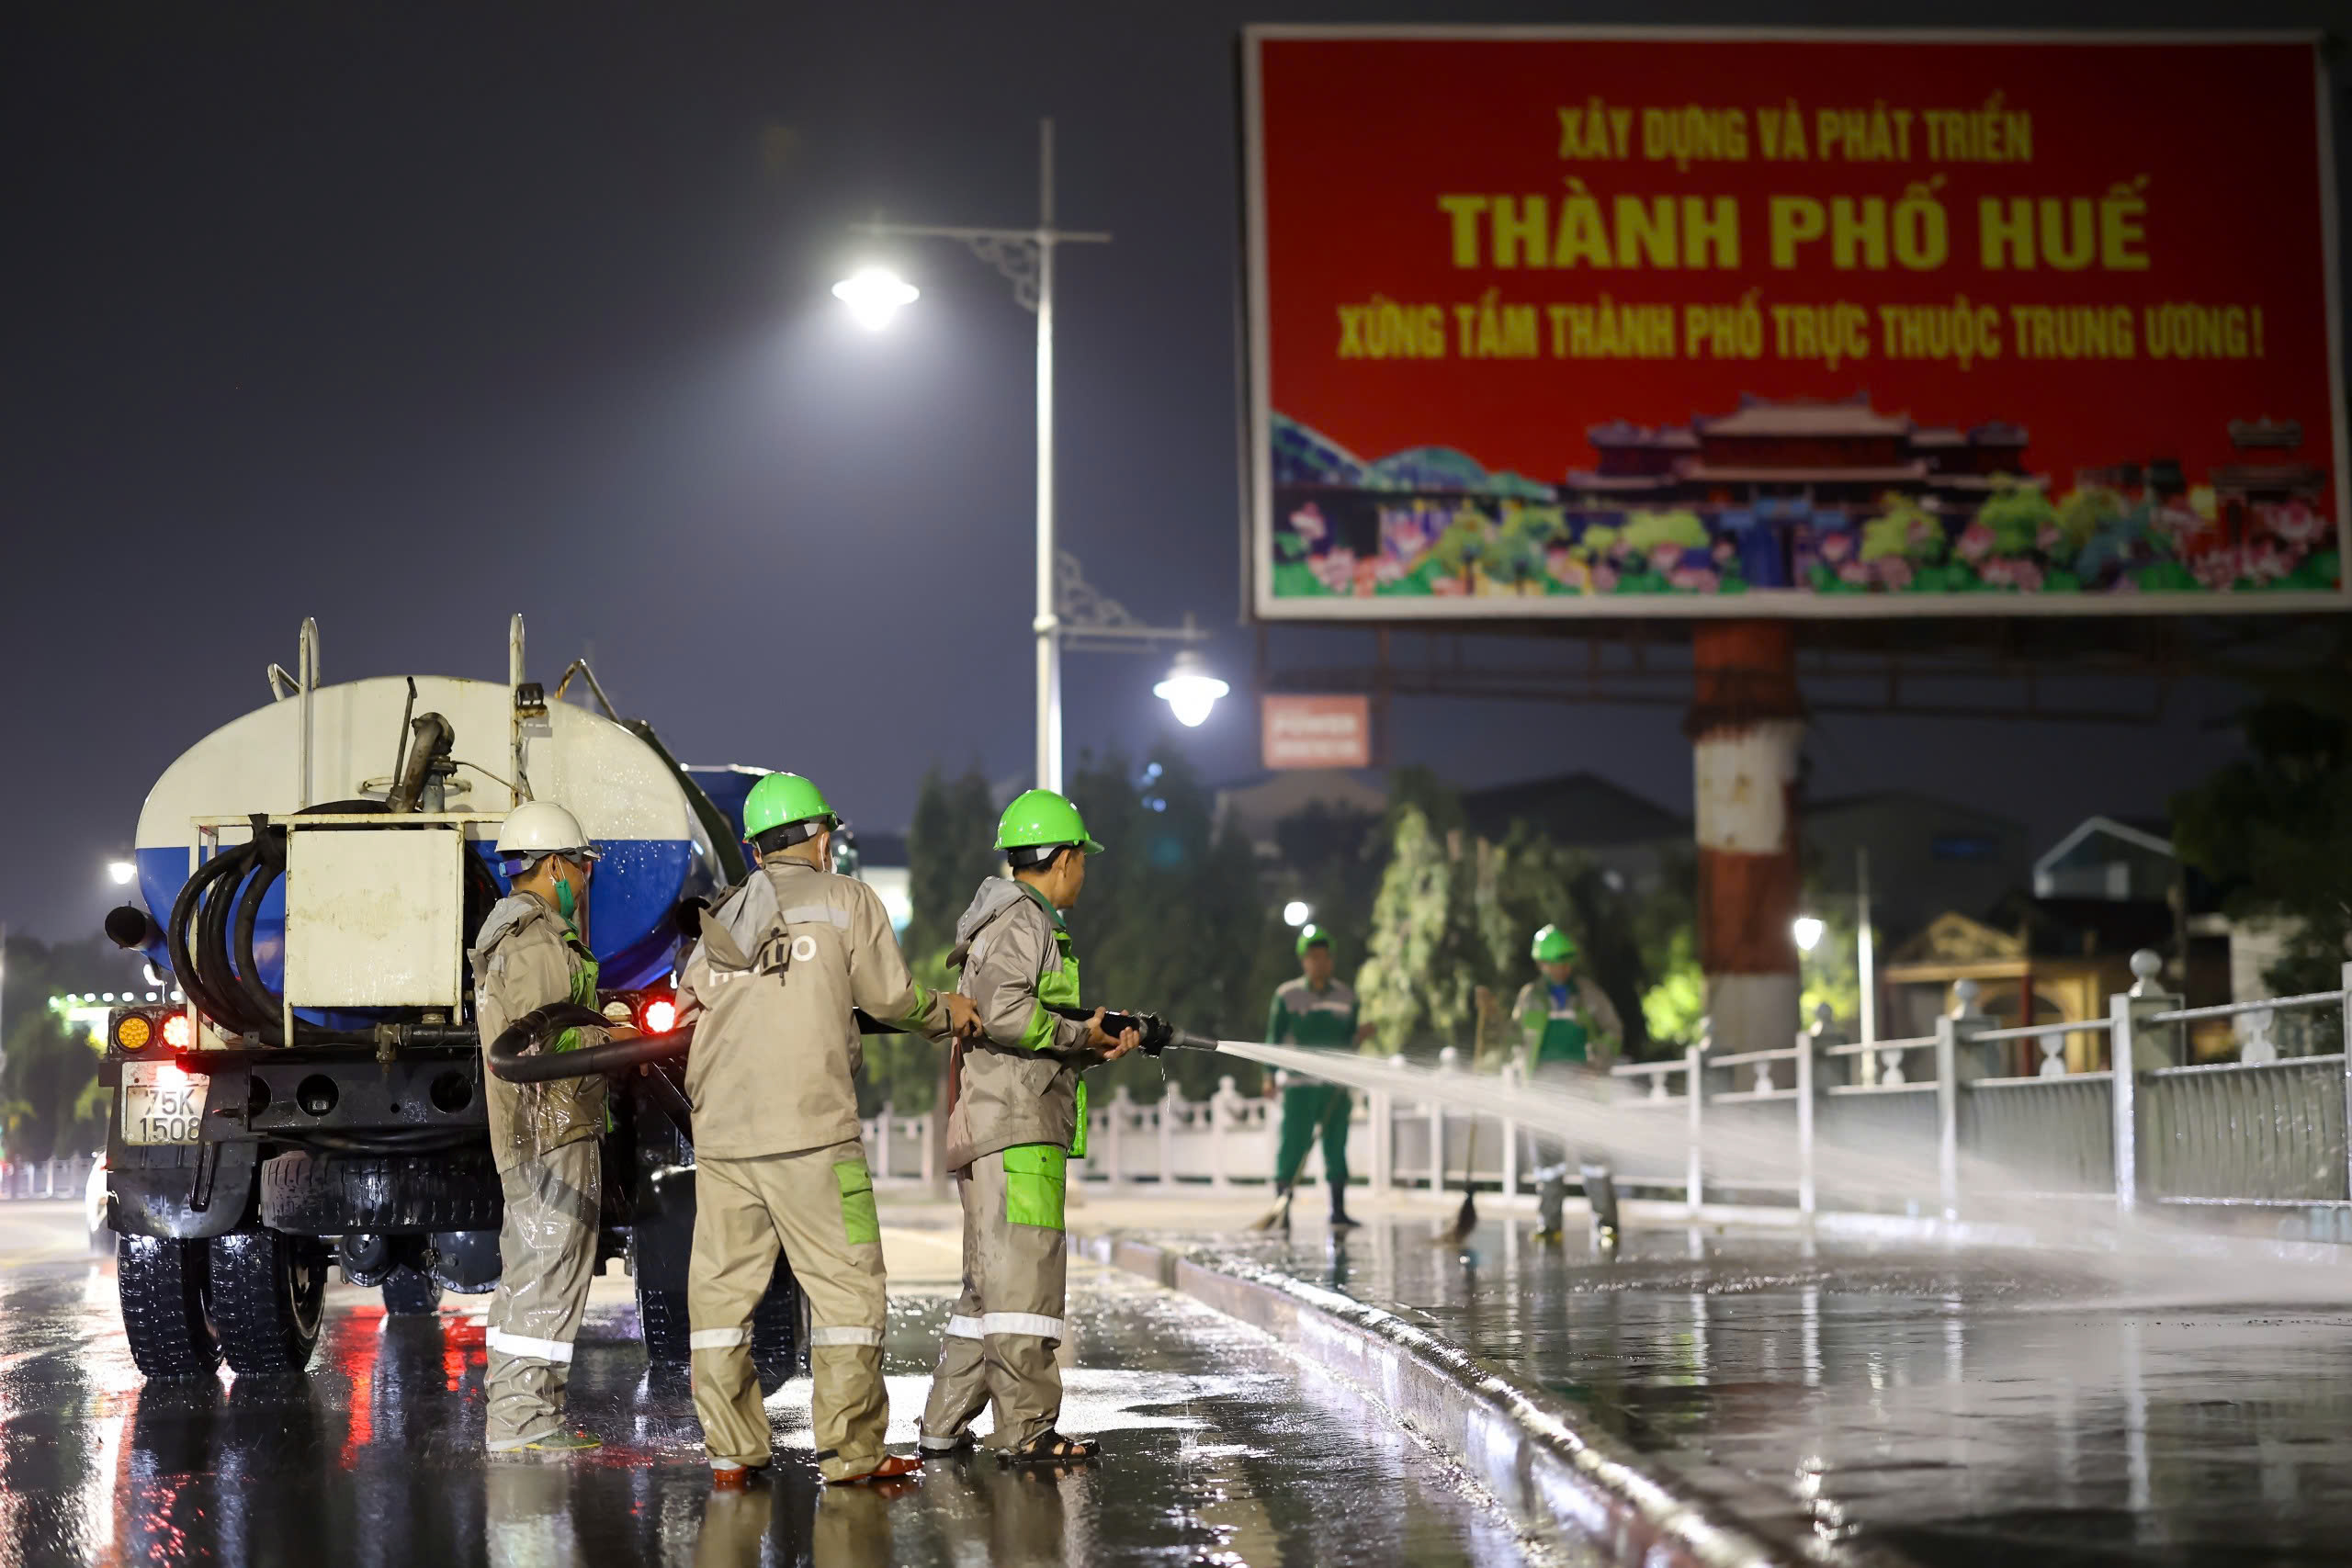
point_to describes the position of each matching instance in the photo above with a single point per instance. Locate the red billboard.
(1561, 322)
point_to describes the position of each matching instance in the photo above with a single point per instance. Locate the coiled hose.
(209, 937)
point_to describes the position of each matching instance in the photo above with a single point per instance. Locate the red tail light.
(178, 1032)
(658, 1015)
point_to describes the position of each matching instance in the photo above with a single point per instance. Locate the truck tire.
(662, 1319)
(776, 1329)
(268, 1300)
(410, 1293)
(307, 1194)
(162, 1284)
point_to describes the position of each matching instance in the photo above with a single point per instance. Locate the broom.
(1465, 1219)
(1276, 1218)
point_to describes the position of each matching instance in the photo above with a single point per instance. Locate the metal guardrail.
(2251, 1133)
(45, 1178)
(2259, 1134)
(2254, 1134)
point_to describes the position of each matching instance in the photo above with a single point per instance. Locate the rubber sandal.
(735, 1477)
(1052, 1448)
(894, 1467)
(562, 1442)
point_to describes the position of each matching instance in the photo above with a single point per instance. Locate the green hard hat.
(779, 800)
(1038, 818)
(1312, 936)
(1553, 945)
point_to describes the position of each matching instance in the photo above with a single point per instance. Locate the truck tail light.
(658, 1014)
(178, 1033)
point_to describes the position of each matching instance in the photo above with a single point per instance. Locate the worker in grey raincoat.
(1569, 1030)
(543, 1136)
(1019, 1114)
(773, 989)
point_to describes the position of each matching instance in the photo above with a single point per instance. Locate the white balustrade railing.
(2159, 1127)
(40, 1179)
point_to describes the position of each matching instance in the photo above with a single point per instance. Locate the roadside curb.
(1546, 1463)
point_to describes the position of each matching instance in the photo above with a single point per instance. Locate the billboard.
(1563, 321)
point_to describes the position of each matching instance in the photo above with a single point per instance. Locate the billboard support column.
(1745, 724)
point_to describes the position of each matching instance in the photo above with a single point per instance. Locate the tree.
(1537, 883)
(52, 1104)
(1173, 920)
(1429, 952)
(950, 851)
(2274, 828)
(1675, 1007)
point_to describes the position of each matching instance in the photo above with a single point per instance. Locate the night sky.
(409, 317)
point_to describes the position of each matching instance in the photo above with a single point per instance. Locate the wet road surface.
(1219, 1449)
(1959, 1408)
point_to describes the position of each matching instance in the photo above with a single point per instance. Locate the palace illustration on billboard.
(1833, 497)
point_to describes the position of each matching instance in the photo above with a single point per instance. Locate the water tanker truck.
(313, 875)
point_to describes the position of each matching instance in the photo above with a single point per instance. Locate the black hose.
(1158, 1033)
(271, 865)
(509, 1059)
(212, 937)
(175, 937)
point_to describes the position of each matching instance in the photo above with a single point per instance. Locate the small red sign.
(1318, 732)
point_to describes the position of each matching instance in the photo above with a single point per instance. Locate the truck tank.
(625, 793)
(248, 1154)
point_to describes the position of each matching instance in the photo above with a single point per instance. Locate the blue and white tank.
(627, 797)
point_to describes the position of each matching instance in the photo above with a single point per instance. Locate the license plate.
(161, 1104)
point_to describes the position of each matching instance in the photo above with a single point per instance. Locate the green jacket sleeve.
(1277, 1021)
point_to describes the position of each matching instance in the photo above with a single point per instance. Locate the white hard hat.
(539, 828)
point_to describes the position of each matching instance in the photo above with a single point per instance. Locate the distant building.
(883, 865)
(2108, 859)
(1622, 831)
(1927, 855)
(1257, 810)
(2102, 893)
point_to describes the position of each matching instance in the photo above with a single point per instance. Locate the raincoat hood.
(996, 895)
(508, 915)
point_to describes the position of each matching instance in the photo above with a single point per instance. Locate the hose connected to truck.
(513, 1055)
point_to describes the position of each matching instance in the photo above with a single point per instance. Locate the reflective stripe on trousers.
(1000, 1342)
(742, 1207)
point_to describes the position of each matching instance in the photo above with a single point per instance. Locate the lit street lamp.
(875, 295)
(1296, 913)
(1807, 929)
(120, 872)
(1190, 690)
(1066, 607)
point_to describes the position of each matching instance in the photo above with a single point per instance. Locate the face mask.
(567, 903)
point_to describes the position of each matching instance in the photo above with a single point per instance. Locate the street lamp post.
(1026, 257)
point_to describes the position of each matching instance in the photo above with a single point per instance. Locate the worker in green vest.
(1568, 1029)
(1019, 1118)
(1318, 1011)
